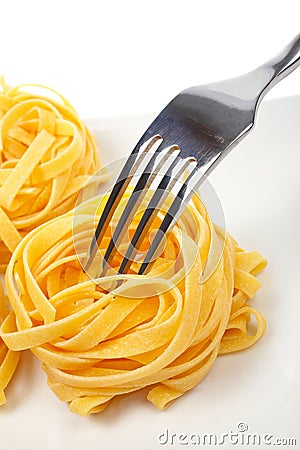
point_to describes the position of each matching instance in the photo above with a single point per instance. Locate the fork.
(198, 128)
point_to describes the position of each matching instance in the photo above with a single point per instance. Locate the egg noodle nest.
(47, 154)
(161, 331)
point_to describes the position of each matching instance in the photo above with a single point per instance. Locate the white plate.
(258, 389)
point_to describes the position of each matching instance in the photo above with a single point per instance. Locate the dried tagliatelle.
(46, 156)
(162, 330)
(8, 358)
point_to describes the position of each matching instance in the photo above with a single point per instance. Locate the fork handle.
(280, 66)
(254, 85)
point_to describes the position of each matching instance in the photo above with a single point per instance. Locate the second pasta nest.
(47, 154)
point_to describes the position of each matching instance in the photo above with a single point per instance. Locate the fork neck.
(278, 67)
(253, 86)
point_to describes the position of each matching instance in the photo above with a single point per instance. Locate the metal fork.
(198, 128)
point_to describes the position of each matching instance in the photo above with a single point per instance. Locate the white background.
(112, 58)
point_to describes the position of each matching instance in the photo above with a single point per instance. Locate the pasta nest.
(97, 343)
(47, 155)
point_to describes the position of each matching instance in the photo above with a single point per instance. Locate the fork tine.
(137, 195)
(173, 212)
(155, 203)
(130, 167)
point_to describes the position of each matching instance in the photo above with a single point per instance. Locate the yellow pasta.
(95, 344)
(8, 358)
(47, 155)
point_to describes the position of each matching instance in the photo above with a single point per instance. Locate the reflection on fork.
(198, 128)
